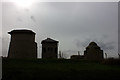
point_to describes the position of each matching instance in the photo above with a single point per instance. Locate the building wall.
(93, 54)
(49, 50)
(22, 50)
(23, 37)
(22, 46)
(77, 57)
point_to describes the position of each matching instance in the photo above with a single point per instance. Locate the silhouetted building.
(22, 44)
(77, 57)
(93, 52)
(49, 49)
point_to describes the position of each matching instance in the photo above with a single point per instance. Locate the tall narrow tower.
(22, 44)
(49, 49)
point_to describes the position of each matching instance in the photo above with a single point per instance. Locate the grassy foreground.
(15, 69)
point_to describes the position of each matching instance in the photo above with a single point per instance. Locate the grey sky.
(119, 27)
(73, 24)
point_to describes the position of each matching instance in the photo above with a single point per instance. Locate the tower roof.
(22, 31)
(93, 44)
(49, 40)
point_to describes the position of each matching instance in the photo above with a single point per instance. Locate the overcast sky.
(73, 24)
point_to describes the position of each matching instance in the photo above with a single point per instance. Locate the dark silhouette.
(118, 55)
(106, 55)
(49, 49)
(77, 57)
(78, 52)
(22, 44)
(60, 54)
(93, 52)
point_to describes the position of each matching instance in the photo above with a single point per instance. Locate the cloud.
(66, 22)
(33, 18)
(19, 19)
(108, 45)
(27, 10)
(5, 46)
(0, 46)
(68, 53)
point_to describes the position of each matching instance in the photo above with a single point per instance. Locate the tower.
(93, 52)
(49, 49)
(22, 44)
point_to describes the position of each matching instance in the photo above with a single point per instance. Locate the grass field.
(16, 69)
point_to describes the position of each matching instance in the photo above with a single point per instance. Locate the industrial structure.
(22, 44)
(93, 52)
(49, 49)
